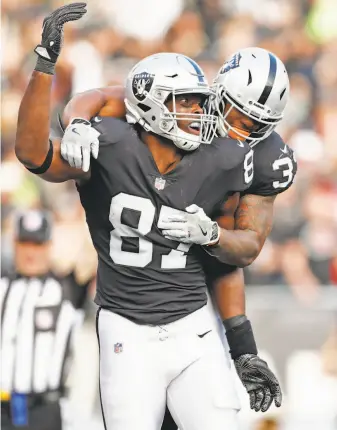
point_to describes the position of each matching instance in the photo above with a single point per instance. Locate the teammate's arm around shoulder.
(232, 247)
(275, 168)
(107, 101)
(33, 147)
(80, 139)
(236, 247)
(254, 215)
(252, 221)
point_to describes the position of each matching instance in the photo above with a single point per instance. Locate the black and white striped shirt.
(38, 318)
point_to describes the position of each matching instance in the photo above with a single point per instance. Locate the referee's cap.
(33, 226)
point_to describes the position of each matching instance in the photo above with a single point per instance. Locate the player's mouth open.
(194, 127)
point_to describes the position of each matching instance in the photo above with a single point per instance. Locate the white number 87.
(175, 259)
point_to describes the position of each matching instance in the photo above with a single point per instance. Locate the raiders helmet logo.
(233, 63)
(141, 84)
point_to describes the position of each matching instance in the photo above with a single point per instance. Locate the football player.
(158, 341)
(251, 94)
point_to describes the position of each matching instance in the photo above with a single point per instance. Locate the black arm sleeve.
(47, 161)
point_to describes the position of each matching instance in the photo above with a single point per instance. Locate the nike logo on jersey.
(202, 231)
(74, 130)
(241, 144)
(204, 334)
(284, 150)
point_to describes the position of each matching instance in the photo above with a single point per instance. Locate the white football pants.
(182, 364)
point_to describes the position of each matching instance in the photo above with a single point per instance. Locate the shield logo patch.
(159, 183)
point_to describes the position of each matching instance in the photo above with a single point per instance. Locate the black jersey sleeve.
(237, 160)
(242, 175)
(275, 167)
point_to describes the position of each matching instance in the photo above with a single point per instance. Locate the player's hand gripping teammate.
(79, 142)
(77, 149)
(194, 226)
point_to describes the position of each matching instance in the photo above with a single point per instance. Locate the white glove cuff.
(79, 121)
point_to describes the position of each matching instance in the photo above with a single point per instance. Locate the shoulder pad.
(229, 152)
(275, 167)
(111, 130)
(235, 160)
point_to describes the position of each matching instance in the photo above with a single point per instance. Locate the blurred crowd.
(101, 48)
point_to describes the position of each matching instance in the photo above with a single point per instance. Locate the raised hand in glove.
(194, 226)
(259, 381)
(52, 35)
(79, 141)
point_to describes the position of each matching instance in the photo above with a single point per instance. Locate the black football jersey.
(141, 274)
(275, 168)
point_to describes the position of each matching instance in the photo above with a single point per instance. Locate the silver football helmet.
(256, 83)
(156, 79)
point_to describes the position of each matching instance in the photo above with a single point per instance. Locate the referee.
(39, 313)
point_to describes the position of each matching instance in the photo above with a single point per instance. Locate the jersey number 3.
(287, 166)
(132, 218)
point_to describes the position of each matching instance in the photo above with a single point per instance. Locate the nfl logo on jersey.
(118, 348)
(159, 183)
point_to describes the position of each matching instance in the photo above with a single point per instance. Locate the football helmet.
(156, 79)
(256, 83)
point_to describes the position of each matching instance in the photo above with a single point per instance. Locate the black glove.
(259, 381)
(52, 35)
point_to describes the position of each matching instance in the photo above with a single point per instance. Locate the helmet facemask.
(204, 124)
(167, 125)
